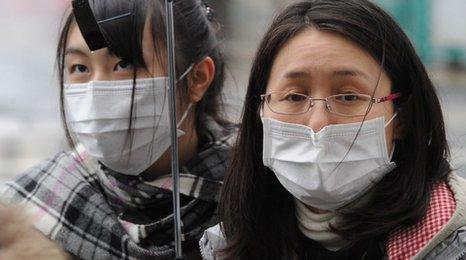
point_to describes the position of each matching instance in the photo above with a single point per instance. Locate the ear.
(200, 79)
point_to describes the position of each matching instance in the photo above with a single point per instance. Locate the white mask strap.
(185, 114)
(391, 119)
(186, 73)
(393, 147)
(393, 151)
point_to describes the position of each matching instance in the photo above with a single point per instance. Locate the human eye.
(348, 97)
(294, 97)
(79, 69)
(351, 98)
(123, 65)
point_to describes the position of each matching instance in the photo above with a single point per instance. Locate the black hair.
(258, 214)
(196, 37)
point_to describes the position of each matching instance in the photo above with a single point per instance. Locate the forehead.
(323, 52)
(75, 38)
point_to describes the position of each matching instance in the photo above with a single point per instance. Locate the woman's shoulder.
(64, 170)
(63, 200)
(457, 185)
(451, 239)
(211, 242)
(452, 247)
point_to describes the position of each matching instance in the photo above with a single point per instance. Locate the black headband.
(89, 26)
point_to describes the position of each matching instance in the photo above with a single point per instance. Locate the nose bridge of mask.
(104, 100)
(340, 142)
(356, 128)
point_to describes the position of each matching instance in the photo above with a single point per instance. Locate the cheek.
(76, 78)
(154, 66)
(386, 111)
(266, 112)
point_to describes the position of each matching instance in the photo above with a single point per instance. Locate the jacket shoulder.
(64, 168)
(450, 242)
(453, 247)
(211, 242)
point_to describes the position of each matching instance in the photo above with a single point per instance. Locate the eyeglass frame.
(372, 101)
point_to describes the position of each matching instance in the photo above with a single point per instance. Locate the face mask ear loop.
(391, 119)
(185, 114)
(392, 152)
(387, 124)
(190, 68)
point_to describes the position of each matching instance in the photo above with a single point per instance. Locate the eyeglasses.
(350, 105)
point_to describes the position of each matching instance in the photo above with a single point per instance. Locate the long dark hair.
(196, 35)
(257, 213)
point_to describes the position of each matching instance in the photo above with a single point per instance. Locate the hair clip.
(209, 10)
(306, 19)
(118, 17)
(88, 25)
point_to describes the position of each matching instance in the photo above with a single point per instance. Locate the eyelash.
(76, 66)
(124, 62)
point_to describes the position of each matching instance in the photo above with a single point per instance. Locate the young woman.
(110, 198)
(342, 151)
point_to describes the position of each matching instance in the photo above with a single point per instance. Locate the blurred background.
(30, 128)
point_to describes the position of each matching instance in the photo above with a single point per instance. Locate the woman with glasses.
(110, 195)
(342, 151)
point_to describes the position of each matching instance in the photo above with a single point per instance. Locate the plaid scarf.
(406, 242)
(95, 213)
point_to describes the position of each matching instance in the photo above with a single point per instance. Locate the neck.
(317, 211)
(317, 226)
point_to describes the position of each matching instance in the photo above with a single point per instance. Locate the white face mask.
(317, 168)
(98, 115)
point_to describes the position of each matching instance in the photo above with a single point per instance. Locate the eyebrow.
(75, 51)
(298, 74)
(351, 73)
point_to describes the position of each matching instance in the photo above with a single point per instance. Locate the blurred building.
(435, 26)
